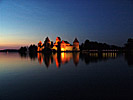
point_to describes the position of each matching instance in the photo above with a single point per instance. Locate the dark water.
(66, 76)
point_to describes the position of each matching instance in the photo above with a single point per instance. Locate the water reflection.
(129, 58)
(86, 74)
(95, 57)
(64, 58)
(59, 58)
(23, 55)
(33, 56)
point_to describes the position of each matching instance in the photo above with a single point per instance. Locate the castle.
(58, 45)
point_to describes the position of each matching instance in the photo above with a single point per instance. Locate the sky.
(25, 22)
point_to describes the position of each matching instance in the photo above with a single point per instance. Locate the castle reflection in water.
(59, 58)
(64, 58)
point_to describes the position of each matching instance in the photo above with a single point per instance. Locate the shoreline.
(83, 51)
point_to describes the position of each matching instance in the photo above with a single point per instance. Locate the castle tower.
(56, 45)
(47, 43)
(76, 45)
(40, 46)
(58, 39)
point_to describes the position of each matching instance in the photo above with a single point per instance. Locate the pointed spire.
(76, 40)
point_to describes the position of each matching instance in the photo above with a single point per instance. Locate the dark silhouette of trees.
(9, 50)
(129, 44)
(33, 49)
(23, 50)
(129, 51)
(90, 45)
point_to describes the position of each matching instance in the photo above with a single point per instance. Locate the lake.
(66, 76)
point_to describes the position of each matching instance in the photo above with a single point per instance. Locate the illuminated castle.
(59, 45)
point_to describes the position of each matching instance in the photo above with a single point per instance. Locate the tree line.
(90, 45)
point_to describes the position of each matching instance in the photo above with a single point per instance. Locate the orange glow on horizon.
(13, 46)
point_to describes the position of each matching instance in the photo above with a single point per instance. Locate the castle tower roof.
(40, 42)
(76, 41)
(47, 40)
(58, 39)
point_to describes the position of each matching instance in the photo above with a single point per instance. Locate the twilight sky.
(25, 22)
